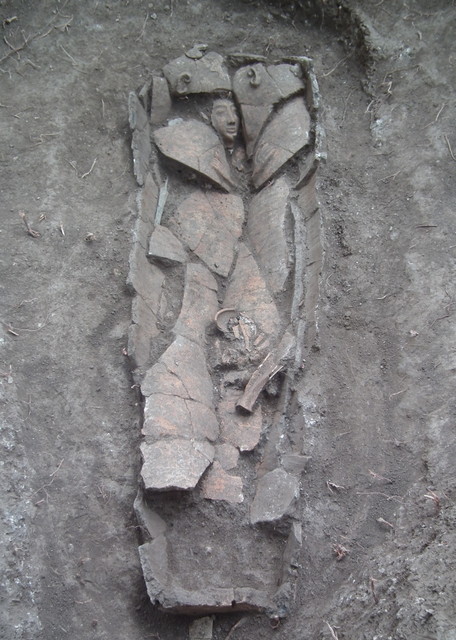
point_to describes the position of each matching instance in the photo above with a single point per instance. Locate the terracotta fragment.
(172, 416)
(253, 120)
(140, 144)
(284, 135)
(140, 333)
(149, 520)
(145, 279)
(198, 147)
(258, 85)
(154, 561)
(287, 78)
(227, 455)
(148, 201)
(185, 361)
(254, 86)
(242, 431)
(137, 116)
(249, 293)
(198, 305)
(204, 421)
(210, 223)
(166, 415)
(267, 234)
(165, 248)
(174, 463)
(203, 74)
(219, 485)
(161, 100)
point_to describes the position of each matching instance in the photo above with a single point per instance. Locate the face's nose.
(232, 115)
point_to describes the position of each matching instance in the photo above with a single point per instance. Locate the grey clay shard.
(174, 464)
(198, 147)
(165, 248)
(285, 135)
(266, 225)
(206, 74)
(258, 85)
(210, 224)
(276, 493)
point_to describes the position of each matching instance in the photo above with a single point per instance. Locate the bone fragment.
(271, 365)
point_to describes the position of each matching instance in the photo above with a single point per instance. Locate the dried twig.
(334, 635)
(328, 73)
(51, 475)
(238, 624)
(340, 551)
(446, 140)
(32, 64)
(87, 173)
(435, 498)
(344, 112)
(387, 295)
(13, 330)
(377, 476)
(397, 393)
(143, 30)
(447, 315)
(48, 484)
(369, 106)
(7, 21)
(26, 41)
(69, 55)
(64, 27)
(379, 493)
(392, 176)
(437, 116)
(10, 329)
(383, 521)
(333, 485)
(30, 231)
(372, 586)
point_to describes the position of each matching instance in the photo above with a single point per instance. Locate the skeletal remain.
(270, 366)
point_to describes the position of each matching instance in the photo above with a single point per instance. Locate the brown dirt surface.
(374, 407)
